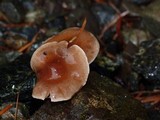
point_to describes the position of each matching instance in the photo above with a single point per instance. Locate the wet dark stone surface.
(100, 99)
(16, 77)
(154, 114)
(146, 62)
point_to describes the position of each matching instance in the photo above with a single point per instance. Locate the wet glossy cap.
(61, 70)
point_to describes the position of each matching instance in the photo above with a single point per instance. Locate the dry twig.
(112, 23)
(28, 45)
(17, 102)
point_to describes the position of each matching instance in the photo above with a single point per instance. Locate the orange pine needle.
(20, 25)
(79, 32)
(6, 109)
(83, 26)
(152, 97)
(26, 46)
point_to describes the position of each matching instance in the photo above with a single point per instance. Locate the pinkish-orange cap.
(84, 39)
(61, 70)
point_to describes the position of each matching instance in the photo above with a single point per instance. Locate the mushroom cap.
(60, 71)
(86, 40)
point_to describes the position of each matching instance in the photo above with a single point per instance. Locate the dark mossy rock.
(146, 63)
(99, 99)
(12, 10)
(16, 76)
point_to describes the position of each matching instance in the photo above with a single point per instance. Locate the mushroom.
(75, 35)
(61, 70)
